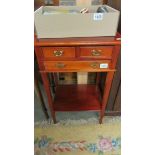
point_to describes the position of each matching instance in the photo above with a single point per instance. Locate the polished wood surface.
(78, 66)
(101, 52)
(78, 41)
(58, 52)
(77, 98)
(81, 55)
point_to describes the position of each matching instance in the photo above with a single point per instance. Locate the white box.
(57, 22)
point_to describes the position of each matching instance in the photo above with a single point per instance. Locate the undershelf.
(77, 98)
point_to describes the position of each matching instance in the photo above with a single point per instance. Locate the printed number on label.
(103, 65)
(98, 16)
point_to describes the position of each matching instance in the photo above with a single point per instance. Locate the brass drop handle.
(58, 53)
(94, 65)
(60, 65)
(96, 52)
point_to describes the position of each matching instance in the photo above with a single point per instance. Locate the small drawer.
(96, 52)
(89, 66)
(58, 52)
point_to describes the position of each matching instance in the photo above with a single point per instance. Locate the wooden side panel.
(38, 53)
(115, 56)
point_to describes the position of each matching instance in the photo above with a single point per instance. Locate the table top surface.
(115, 40)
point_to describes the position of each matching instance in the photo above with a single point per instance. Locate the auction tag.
(105, 65)
(98, 16)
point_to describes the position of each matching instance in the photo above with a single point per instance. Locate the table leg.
(106, 91)
(40, 97)
(48, 93)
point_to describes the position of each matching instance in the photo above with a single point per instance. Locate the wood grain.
(67, 52)
(81, 97)
(115, 55)
(104, 52)
(84, 41)
(74, 97)
(92, 66)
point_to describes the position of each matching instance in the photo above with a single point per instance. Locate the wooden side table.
(93, 54)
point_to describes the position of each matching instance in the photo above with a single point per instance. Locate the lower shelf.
(77, 98)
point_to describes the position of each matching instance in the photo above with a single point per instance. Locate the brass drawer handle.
(60, 65)
(58, 53)
(96, 52)
(94, 65)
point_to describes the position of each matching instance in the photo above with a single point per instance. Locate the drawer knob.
(60, 65)
(96, 52)
(58, 53)
(94, 65)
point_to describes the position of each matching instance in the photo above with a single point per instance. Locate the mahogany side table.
(89, 54)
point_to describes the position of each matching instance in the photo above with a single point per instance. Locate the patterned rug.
(82, 139)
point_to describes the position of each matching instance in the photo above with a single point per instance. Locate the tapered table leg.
(48, 93)
(107, 87)
(40, 97)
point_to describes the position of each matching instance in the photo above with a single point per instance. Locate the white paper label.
(104, 65)
(98, 16)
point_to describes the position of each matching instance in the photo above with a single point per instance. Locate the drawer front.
(58, 52)
(96, 52)
(89, 66)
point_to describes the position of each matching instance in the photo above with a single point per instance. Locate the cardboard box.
(67, 21)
